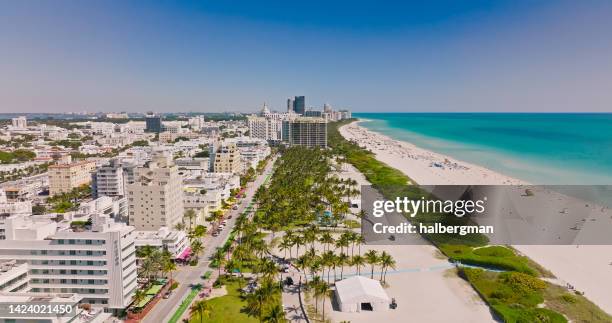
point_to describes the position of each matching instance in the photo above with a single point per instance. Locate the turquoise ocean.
(541, 148)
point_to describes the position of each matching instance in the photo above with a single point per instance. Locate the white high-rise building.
(258, 127)
(155, 198)
(290, 105)
(97, 262)
(20, 122)
(196, 123)
(108, 180)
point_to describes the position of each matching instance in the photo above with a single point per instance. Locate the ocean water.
(540, 148)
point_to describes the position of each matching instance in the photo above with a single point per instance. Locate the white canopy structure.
(359, 293)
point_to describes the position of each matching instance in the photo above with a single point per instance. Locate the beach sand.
(587, 268)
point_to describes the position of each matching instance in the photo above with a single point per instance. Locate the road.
(190, 275)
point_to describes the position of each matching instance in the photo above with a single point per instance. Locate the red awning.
(185, 254)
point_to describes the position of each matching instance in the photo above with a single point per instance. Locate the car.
(167, 294)
(216, 233)
(235, 207)
(224, 222)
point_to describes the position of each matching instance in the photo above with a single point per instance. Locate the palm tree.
(180, 226)
(326, 239)
(139, 295)
(285, 245)
(218, 258)
(202, 308)
(358, 261)
(314, 286)
(169, 267)
(190, 214)
(276, 314)
(145, 251)
(386, 261)
(360, 240)
(302, 263)
(323, 290)
(328, 260)
(372, 259)
(341, 260)
(197, 248)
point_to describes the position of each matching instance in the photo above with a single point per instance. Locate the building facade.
(64, 177)
(153, 123)
(108, 180)
(97, 263)
(299, 104)
(155, 198)
(305, 131)
(226, 158)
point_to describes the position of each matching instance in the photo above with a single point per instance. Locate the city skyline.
(442, 56)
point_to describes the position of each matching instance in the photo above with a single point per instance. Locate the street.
(188, 275)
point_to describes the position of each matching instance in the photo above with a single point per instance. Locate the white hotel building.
(98, 263)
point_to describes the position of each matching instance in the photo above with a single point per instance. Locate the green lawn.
(495, 257)
(227, 308)
(515, 297)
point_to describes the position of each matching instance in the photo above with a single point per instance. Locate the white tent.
(359, 293)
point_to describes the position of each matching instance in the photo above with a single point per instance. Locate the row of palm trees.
(155, 263)
(312, 264)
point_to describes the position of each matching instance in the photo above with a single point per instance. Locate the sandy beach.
(587, 268)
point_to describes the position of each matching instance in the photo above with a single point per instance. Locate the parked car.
(235, 207)
(167, 294)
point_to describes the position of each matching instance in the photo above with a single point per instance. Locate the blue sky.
(365, 55)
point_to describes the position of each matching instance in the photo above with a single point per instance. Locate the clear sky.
(59, 56)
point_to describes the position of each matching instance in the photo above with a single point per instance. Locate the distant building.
(290, 105)
(196, 123)
(153, 123)
(225, 158)
(306, 131)
(121, 115)
(313, 113)
(155, 198)
(327, 108)
(258, 127)
(65, 177)
(20, 122)
(108, 180)
(299, 104)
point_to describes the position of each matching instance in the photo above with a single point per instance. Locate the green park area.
(227, 308)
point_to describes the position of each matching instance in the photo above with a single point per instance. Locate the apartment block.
(225, 158)
(97, 262)
(306, 131)
(64, 177)
(108, 180)
(155, 198)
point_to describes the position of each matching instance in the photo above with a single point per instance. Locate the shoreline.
(568, 263)
(423, 166)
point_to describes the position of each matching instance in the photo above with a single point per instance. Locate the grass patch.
(575, 307)
(352, 224)
(494, 257)
(513, 296)
(228, 308)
